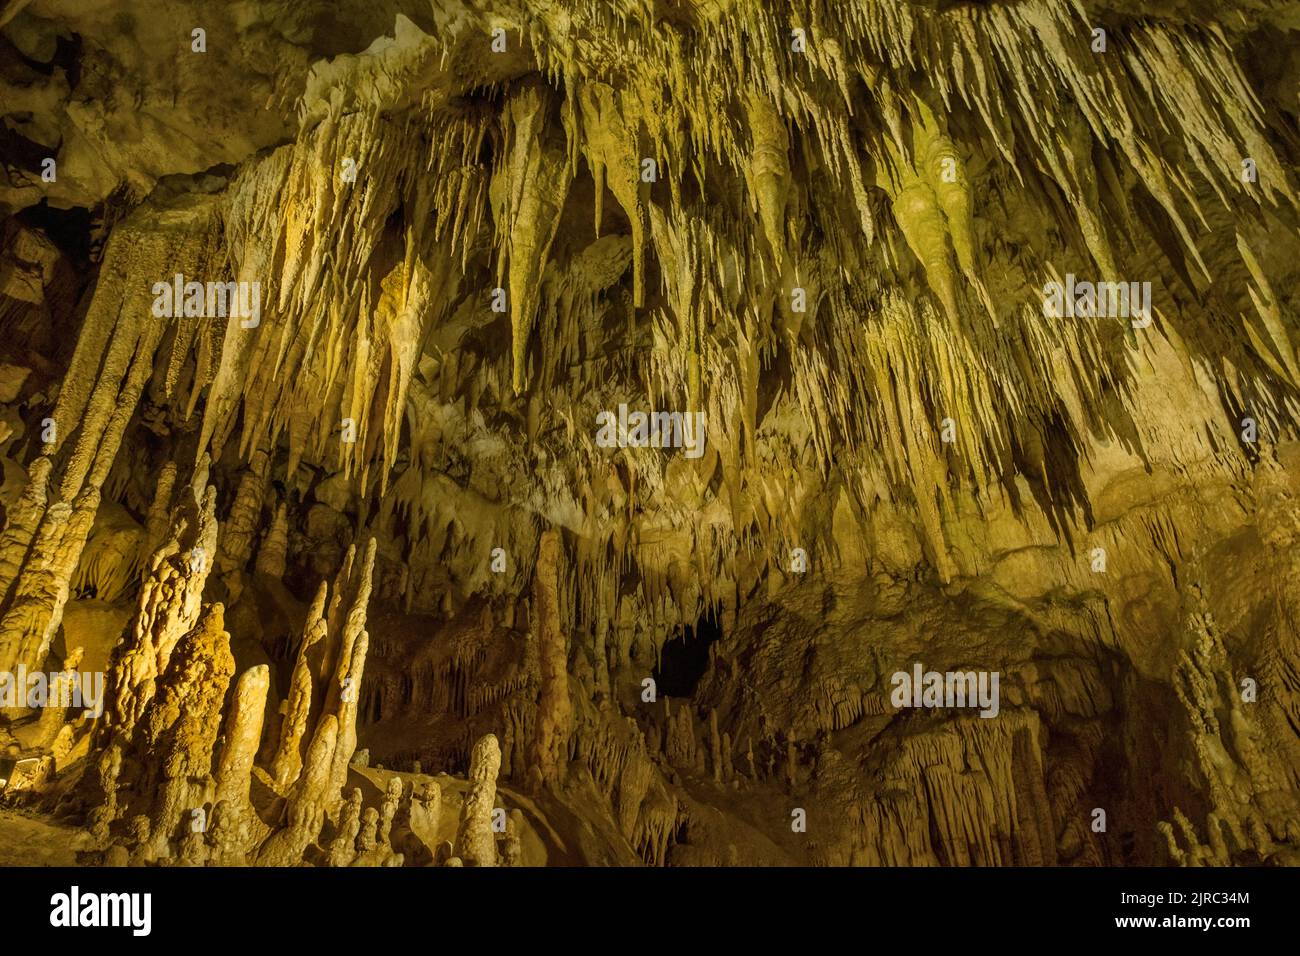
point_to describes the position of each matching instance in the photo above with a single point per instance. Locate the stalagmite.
(236, 544)
(288, 759)
(554, 718)
(182, 721)
(232, 835)
(369, 850)
(415, 833)
(243, 734)
(388, 812)
(51, 721)
(271, 555)
(347, 711)
(168, 608)
(307, 804)
(344, 848)
(511, 847)
(715, 747)
(158, 519)
(475, 841)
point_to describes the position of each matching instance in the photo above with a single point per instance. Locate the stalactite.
(528, 191)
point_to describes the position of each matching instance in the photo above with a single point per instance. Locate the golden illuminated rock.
(703, 433)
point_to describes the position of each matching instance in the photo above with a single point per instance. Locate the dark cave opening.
(69, 229)
(685, 657)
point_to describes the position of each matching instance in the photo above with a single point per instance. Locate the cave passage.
(685, 657)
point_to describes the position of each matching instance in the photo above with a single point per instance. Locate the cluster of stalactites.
(777, 199)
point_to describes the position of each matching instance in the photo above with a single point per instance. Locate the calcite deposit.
(634, 432)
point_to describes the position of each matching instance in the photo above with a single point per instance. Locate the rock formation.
(701, 433)
(475, 840)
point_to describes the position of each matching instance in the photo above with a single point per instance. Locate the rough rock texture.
(378, 569)
(475, 843)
